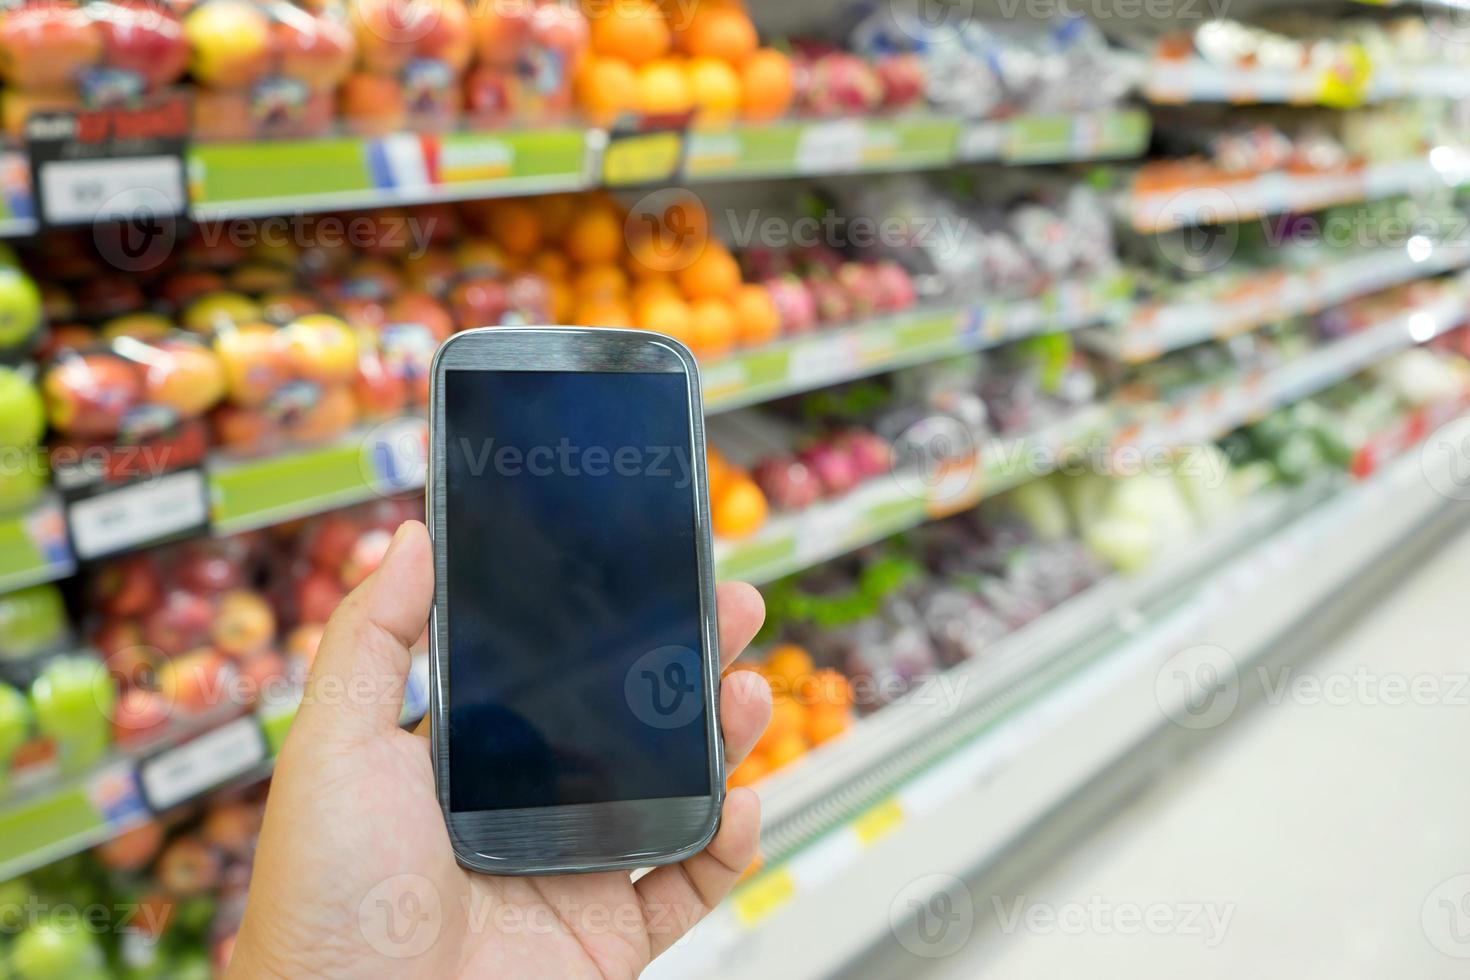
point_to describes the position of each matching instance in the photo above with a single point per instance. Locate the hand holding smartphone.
(573, 639)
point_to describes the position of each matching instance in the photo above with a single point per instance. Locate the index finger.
(741, 611)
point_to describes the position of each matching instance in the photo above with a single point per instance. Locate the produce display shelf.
(1235, 304)
(1228, 202)
(34, 546)
(60, 819)
(790, 148)
(241, 179)
(933, 782)
(1218, 408)
(828, 356)
(882, 507)
(1196, 80)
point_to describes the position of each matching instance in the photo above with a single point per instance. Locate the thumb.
(362, 664)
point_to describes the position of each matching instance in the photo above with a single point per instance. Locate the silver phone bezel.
(594, 836)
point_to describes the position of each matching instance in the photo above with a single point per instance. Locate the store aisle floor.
(1319, 836)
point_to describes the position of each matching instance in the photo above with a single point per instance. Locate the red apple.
(447, 37)
(895, 286)
(365, 557)
(833, 467)
(107, 296)
(317, 51)
(787, 482)
(421, 308)
(372, 104)
(209, 567)
(89, 394)
(128, 586)
(333, 414)
(114, 638)
(870, 454)
(181, 623)
(245, 431)
(140, 715)
(381, 393)
(183, 288)
(903, 78)
(146, 38)
(46, 44)
(243, 624)
(501, 30)
(479, 302)
(132, 849)
(318, 595)
(329, 541)
(197, 681)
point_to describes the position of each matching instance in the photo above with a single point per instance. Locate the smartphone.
(573, 643)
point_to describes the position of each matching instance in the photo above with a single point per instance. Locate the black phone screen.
(575, 643)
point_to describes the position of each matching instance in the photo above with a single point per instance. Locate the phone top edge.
(555, 348)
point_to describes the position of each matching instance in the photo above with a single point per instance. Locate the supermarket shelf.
(882, 507)
(55, 821)
(852, 830)
(831, 355)
(34, 547)
(791, 148)
(241, 179)
(1195, 80)
(1216, 409)
(1279, 192)
(1240, 304)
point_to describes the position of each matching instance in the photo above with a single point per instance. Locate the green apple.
(73, 699)
(22, 413)
(22, 477)
(15, 724)
(31, 621)
(20, 308)
(46, 952)
(16, 896)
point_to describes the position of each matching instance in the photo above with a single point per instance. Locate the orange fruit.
(654, 287)
(556, 211)
(767, 84)
(752, 769)
(787, 719)
(757, 321)
(606, 88)
(595, 236)
(789, 664)
(825, 688)
(713, 275)
(788, 749)
(602, 313)
(719, 31)
(740, 511)
(715, 88)
(515, 226)
(635, 32)
(563, 300)
(719, 474)
(824, 723)
(712, 322)
(664, 314)
(549, 264)
(603, 280)
(663, 88)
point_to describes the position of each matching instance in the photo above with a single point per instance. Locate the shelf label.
(878, 822)
(117, 163)
(758, 900)
(178, 774)
(642, 157)
(139, 514)
(831, 146)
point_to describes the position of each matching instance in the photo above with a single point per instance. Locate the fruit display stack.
(267, 67)
(411, 60)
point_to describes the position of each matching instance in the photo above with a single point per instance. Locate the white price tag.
(822, 357)
(211, 760)
(83, 191)
(135, 515)
(831, 146)
(981, 141)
